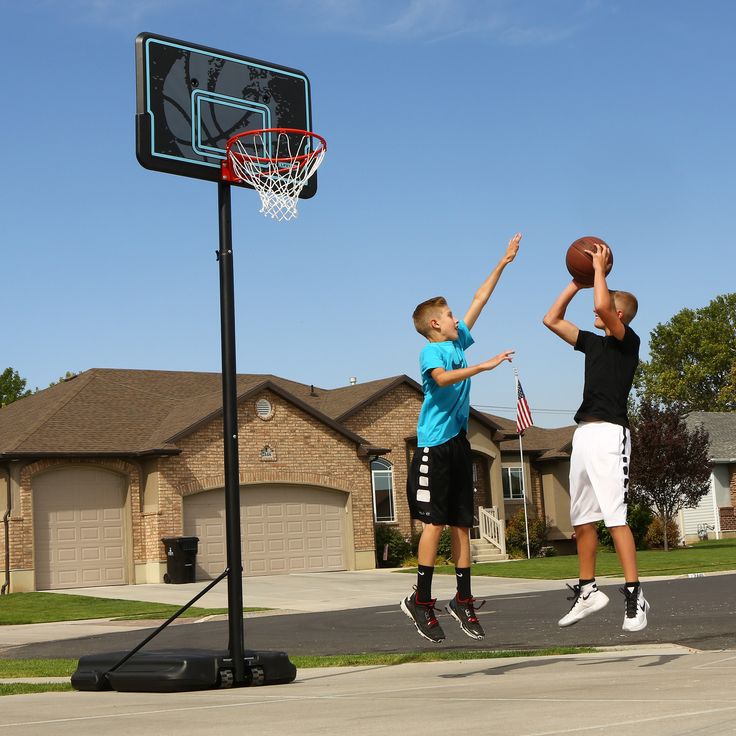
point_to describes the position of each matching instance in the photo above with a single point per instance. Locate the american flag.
(523, 412)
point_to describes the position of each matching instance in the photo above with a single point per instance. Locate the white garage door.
(78, 528)
(284, 529)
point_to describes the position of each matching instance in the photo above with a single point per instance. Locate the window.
(512, 488)
(382, 480)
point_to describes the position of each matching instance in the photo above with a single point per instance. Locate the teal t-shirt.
(445, 409)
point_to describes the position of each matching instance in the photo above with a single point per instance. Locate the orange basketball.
(580, 263)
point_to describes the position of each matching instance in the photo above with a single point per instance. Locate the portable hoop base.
(277, 163)
(181, 670)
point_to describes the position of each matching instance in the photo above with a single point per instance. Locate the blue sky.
(451, 124)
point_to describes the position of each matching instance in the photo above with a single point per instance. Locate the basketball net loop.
(277, 163)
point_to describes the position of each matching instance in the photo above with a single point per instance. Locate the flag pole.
(523, 482)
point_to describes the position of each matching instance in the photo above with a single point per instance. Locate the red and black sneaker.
(422, 614)
(464, 613)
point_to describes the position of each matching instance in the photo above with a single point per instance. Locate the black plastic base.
(181, 670)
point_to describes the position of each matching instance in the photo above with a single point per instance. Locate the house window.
(382, 480)
(512, 488)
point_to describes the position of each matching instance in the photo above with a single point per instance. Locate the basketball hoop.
(277, 163)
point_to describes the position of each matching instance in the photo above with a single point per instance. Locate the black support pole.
(230, 435)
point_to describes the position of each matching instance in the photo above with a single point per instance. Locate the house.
(96, 470)
(543, 477)
(715, 515)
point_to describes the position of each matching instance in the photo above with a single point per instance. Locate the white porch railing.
(491, 528)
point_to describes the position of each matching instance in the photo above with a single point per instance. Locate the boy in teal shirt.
(440, 480)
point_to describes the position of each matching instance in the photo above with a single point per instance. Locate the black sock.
(462, 575)
(582, 582)
(632, 587)
(424, 583)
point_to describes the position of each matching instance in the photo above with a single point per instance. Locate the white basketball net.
(277, 164)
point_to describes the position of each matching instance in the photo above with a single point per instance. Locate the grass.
(36, 608)
(711, 556)
(26, 688)
(65, 667)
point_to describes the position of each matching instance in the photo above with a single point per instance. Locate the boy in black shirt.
(601, 446)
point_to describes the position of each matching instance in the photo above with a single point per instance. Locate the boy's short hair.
(627, 303)
(425, 312)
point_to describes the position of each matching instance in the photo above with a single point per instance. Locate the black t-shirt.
(609, 372)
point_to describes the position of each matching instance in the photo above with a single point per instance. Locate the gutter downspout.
(6, 524)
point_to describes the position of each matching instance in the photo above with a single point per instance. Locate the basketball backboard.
(191, 99)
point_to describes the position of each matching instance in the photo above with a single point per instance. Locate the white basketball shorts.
(599, 473)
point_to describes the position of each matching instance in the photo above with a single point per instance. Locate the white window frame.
(384, 468)
(506, 476)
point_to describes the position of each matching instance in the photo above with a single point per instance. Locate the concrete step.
(482, 551)
(489, 557)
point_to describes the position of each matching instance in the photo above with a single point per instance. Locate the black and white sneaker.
(585, 600)
(635, 617)
(464, 613)
(422, 614)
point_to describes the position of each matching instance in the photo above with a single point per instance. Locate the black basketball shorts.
(439, 487)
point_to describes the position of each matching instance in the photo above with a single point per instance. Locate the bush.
(655, 533)
(516, 535)
(444, 547)
(398, 547)
(639, 517)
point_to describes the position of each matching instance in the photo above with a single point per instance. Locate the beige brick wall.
(307, 451)
(388, 422)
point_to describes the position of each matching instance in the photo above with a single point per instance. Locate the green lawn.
(65, 667)
(710, 556)
(36, 608)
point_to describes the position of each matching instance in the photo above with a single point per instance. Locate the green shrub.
(639, 517)
(516, 535)
(398, 547)
(655, 534)
(444, 547)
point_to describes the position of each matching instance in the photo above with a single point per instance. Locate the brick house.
(96, 470)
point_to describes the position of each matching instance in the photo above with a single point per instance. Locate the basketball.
(580, 264)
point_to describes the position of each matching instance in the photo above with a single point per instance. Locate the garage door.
(78, 527)
(284, 529)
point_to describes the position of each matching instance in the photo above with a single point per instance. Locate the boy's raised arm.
(602, 301)
(486, 288)
(555, 317)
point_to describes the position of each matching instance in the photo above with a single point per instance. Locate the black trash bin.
(181, 559)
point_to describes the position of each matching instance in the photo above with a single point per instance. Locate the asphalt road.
(694, 612)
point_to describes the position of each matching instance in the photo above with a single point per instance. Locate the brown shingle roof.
(116, 411)
(546, 444)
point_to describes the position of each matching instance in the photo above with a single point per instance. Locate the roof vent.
(353, 380)
(264, 409)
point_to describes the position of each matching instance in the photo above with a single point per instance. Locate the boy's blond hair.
(626, 303)
(425, 312)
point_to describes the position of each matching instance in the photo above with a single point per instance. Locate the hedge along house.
(99, 468)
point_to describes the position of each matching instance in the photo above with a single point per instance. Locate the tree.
(693, 358)
(12, 387)
(670, 467)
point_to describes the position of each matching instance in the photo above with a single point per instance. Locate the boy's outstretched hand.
(489, 365)
(512, 249)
